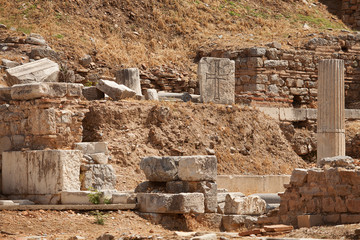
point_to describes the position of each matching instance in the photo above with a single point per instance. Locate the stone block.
(353, 205)
(271, 112)
(257, 52)
(9, 64)
(349, 218)
(337, 161)
(352, 114)
(129, 77)
(114, 90)
(42, 121)
(209, 236)
(309, 221)
(298, 177)
(75, 197)
(171, 203)
(8, 203)
(99, 158)
(311, 114)
(5, 144)
(233, 223)
(292, 114)
(331, 219)
(5, 93)
(97, 176)
(245, 205)
(151, 94)
(43, 70)
(197, 168)
(160, 169)
(45, 90)
(124, 198)
(92, 93)
(269, 198)
(24, 202)
(276, 63)
(148, 187)
(41, 172)
(217, 80)
(92, 147)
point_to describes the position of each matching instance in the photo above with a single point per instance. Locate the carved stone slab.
(217, 80)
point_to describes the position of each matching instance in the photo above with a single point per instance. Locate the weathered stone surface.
(151, 94)
(99, 158)
(236, 222)
(124, 198)
(47, 90)
(5, 93)
(41, 172)
(9, 64)
(269, 198)
(75, 197)
(171, 203)
(197, 168)
(338, 161)
(129, 77)
(209, 189)
(35, 39)
(43, 70)
(276, 63)
(92, 93)
(92, 147)
(209, 236)
(114, 90)
(245, 205)
(217, 80)
(85, 60)
(97, 176)
(160, 169)
(298, 176)
(257, 52)
(42, 52)
(309, 220)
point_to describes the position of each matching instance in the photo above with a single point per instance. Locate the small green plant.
(96, 197)
(59, 36)
(99, 217)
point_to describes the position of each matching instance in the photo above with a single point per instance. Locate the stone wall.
(330, 194)
(273, 76)
(350, 13)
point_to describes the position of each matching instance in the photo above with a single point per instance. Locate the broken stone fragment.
(9, 64)
(35, 39)
(245, 205)
(151, 94)
(5, 93)
(85, 60)
(114, 90)
(233, 223)
(129, 77)
(47, 90)
(43, 70)
(92, 93)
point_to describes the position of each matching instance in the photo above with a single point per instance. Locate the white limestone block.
(114, 90)
(245, 205)
(43, 70)
(41, 171)
(92, 147)
(198, 168)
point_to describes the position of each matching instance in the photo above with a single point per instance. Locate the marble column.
(129, 77)
(331, 109)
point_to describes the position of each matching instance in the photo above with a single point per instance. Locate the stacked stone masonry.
(330, 194)
(273, 76)
(350, 13)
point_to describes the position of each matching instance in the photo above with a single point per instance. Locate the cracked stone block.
(97, 176)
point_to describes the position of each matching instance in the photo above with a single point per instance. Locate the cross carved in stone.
(217, 77)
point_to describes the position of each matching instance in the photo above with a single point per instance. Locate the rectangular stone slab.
(217, 80)
(171, 203)
(47, 90)
(40, 172)
(43, 70)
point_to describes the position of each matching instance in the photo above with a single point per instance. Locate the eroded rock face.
(160, 169)
(97, 176)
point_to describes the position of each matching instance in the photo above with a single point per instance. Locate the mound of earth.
(244, 140)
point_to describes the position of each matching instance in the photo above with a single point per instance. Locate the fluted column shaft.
(331, 109)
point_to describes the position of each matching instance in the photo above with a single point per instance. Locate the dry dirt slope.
(244, 140)
(128, 33)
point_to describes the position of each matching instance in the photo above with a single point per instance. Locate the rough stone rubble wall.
(40, 124)
(350, 13)
(274, 76)
(331, 194)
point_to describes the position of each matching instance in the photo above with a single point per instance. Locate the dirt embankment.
(244, 140)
